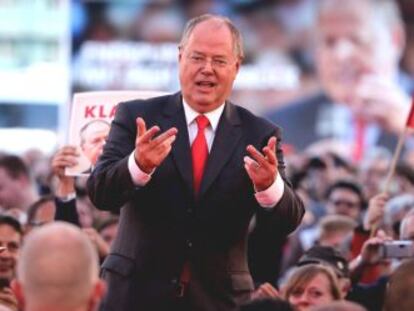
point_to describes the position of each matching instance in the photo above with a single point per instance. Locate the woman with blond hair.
(311, 285)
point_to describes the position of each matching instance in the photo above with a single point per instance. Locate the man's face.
(343, 201)
(373, 175)
(45, 214)
(11, 240)
(94, 140)
(109, 233)
(208, 66)
(10, 190)
(352, 43)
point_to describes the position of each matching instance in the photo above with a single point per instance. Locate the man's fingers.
(66, 162)
(160, 139)
(249, 163)
(141, 126)
(270, 155)
(164, 148)
(272, 143)
(69, 151)
(256, 155)
(148, 135)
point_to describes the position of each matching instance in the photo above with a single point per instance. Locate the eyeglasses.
(12, 247)
(216, 62)
(345, 203)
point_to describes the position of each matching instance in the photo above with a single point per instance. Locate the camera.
(4, 282)
(397, 249)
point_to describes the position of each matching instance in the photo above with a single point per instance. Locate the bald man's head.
(58, 268)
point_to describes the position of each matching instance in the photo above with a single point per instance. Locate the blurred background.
(50, 49)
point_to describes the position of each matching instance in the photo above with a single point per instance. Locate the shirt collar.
(213, 116)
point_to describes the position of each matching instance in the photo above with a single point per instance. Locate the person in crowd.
(92, 139)
(71, 204)
(11, 237)
(70, 208)
(311, 285)
(332, 230)
(365, 98)
(395, 210)
(331, 257)
(400, 289)
(345, 197)
(349, 274)
(404, 178)
(185, 211)
(407, 227)
(41, 212)
(373, 170)
(371, 296)
(17, 189)
(336, 230)
(108, 229)
(58, 270)
(103, 236)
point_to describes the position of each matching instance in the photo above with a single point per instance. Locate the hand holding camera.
(382, 247)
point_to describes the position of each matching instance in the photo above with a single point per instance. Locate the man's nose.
(207, 65)
(343, 49)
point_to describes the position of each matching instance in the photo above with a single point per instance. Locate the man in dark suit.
(365, 100)
(186, 196)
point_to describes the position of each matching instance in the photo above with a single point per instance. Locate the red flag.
(410, 119)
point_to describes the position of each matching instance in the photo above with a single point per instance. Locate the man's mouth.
(206, 84)
(347, 76)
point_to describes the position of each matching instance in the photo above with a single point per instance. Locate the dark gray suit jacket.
(162, 225)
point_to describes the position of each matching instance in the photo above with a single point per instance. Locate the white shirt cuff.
(271, 196)
(139, 178)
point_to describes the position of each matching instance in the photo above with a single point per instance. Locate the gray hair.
(88, 125)
(235, 33)
(399, 205)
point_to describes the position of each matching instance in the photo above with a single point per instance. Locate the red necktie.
(358, 150)
(199, 152)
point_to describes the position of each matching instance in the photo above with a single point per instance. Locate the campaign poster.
(90, 121)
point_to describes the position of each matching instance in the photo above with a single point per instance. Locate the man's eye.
(220, 62)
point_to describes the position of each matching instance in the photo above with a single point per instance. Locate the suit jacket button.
(174, 281)
(189, 243)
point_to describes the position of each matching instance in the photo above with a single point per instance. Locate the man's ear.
(238, 65)
(98, 293)
(18, 292)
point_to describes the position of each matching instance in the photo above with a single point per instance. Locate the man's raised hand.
(151, 150)
(262, 167)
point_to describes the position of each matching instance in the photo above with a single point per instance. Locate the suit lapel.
(228, 134)
(173, 116)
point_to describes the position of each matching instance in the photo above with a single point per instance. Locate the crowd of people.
(243, 221)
